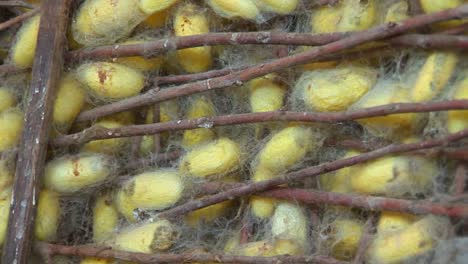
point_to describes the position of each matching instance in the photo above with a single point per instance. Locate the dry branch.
(308, 172)
(106, 252)
(16, 4)
(237, 78)
(30, 164)
(97, 132)
(18, 19)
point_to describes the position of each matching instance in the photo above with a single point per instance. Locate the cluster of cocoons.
(123, 199)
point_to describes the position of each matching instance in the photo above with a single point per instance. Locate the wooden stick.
(18, 19)
(97, 132)
(237, 78)
(30, 164)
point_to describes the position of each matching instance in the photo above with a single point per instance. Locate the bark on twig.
(16, 4)
(18, 19)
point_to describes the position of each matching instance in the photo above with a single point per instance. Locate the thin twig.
(461, 176)
(98, 132)
(16, 4)
(365, 239)
(10, 69)
(18, 19)
(156, 119)
(237, 78)
(456, 29)
(46, 70)
(105, 252)
(310, 172)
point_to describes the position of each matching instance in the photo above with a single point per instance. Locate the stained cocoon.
(111, 81)
(70, 174)
(153, 190)
(99, 22)
(24, 48)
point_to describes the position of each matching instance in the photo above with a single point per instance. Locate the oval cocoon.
(200, 106)
(108, 80)
(151, 6)
(336, 89)
(73, 173)
(106, 146)
(68, 103)
(231, 9)
(358, 15)
(7, 99)
(5, 197)
(48, 216)
(154, 190)
(345, 237)
(24, 48)
(214, 158)
(394, 221)
(11, 127)
(282, 7)
(266, 94)
(105, 217)
(290, 222)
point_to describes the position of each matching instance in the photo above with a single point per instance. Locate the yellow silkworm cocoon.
(232, 243)
(24, 48)
(339, 181)
(394, 176)
(287, 247)
(358, 15)
(11, 127)
(73, 173)
(6, 175)
(217, 157)
(389, 126)
(124, 118)
(416, 239)
(458, 120)
(262, 207)
(105, 217)
(5, 196)
(47, 216)
(107, 80)
(290, 222)
(345, 237)
(431, 6)
(106, 146)
(7, 99)
(191, 20)
(199, 107)
(157, 19)
(96, 261)
(232, 9)
(208, 214)
(266, 94)
(152, 6)
(296, 141)
(69, 102)
(325, 19)
(434, 75)
(139, 62)
(394, 221)
(397, 12)
(282, 7)
(335, 89)
(146, 238)
(100, 22)
(259, 248)
(153, 190)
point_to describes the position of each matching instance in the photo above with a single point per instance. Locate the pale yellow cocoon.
(335, 89)
(96, 261)
(217, 157)
(287, 247)
(157, 19)
(11, 127)
(105, 217)
(397, 12)
(458, 120)
(100, 22)
(152, 6)
(110, 81)
(24, 48)
(325, 19)
(282, 7)
(191, 20)
(139, 62)
(73, 173)
(7, 99)
(394, 221)
(146, 238)
(5, 197)
(262, 207)
(106, 146)
(259, 248)
(296, 141)
(153, 190)
(47, 215)
(124, 118)
(208, 214)
(434, 75)
(231, 9)
(358, 15)
(408, 242)
(266, 94)
(345, 237)
(394, 176)
(339, 181)
(69, 102)
(200, 106)
(290, 222)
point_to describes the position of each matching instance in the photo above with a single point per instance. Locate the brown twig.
(157, 136)
(10, 69)
(108, 253)
(461, 176)
(18, 19)
(456, 29)
(97, 132)
(366, 239)
(308, 172)
(16, 4)
(237, 78)
(46, 70)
